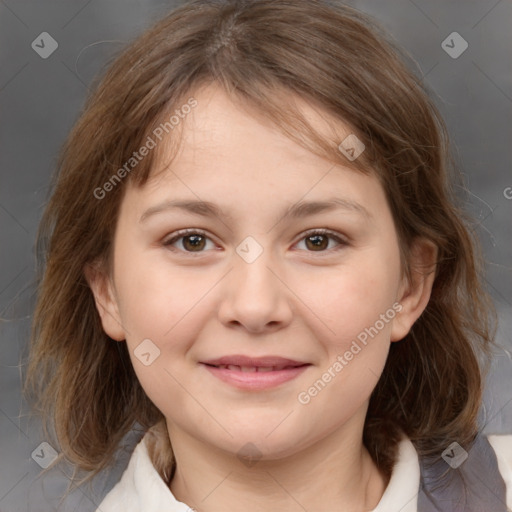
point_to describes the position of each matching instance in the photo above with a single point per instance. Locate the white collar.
(403, 487)
(142, 488)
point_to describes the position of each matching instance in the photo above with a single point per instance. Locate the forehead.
(229, 153)
(225, 131)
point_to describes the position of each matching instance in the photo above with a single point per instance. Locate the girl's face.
(257, 277)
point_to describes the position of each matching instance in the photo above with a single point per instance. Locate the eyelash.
(184, 232)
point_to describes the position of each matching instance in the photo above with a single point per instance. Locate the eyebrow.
(298, 210)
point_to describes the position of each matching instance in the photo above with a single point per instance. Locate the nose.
(255, 296)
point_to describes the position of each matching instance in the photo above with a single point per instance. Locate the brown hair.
(335, 58)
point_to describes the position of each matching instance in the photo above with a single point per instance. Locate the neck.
(335, 473)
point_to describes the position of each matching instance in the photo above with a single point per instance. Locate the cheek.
(357, 306)
(356, 302)
(352, 297)
(166, 306)
(155, 297)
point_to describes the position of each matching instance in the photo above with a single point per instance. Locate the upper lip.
(253, 362)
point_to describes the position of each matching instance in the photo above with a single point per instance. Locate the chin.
(257, 445)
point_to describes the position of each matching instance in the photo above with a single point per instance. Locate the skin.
(295, 300)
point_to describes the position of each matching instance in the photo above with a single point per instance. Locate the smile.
(237, 368)
(255, 378)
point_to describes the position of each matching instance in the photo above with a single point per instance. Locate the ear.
(414, 293)
(106, 301)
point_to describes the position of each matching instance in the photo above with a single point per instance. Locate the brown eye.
(317, 242)
(191, 241)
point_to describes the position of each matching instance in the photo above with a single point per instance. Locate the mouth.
(254, 374)
(236, 368)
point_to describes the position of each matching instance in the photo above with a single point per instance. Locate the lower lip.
(255, 380)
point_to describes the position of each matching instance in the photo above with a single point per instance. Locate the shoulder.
(502, 446)
(141, 487)
(477, 479)
(410, 478)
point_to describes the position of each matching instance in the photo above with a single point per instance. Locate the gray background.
(40, 99)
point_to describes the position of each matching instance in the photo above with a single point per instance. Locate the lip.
(242, 360)
(254, 373)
